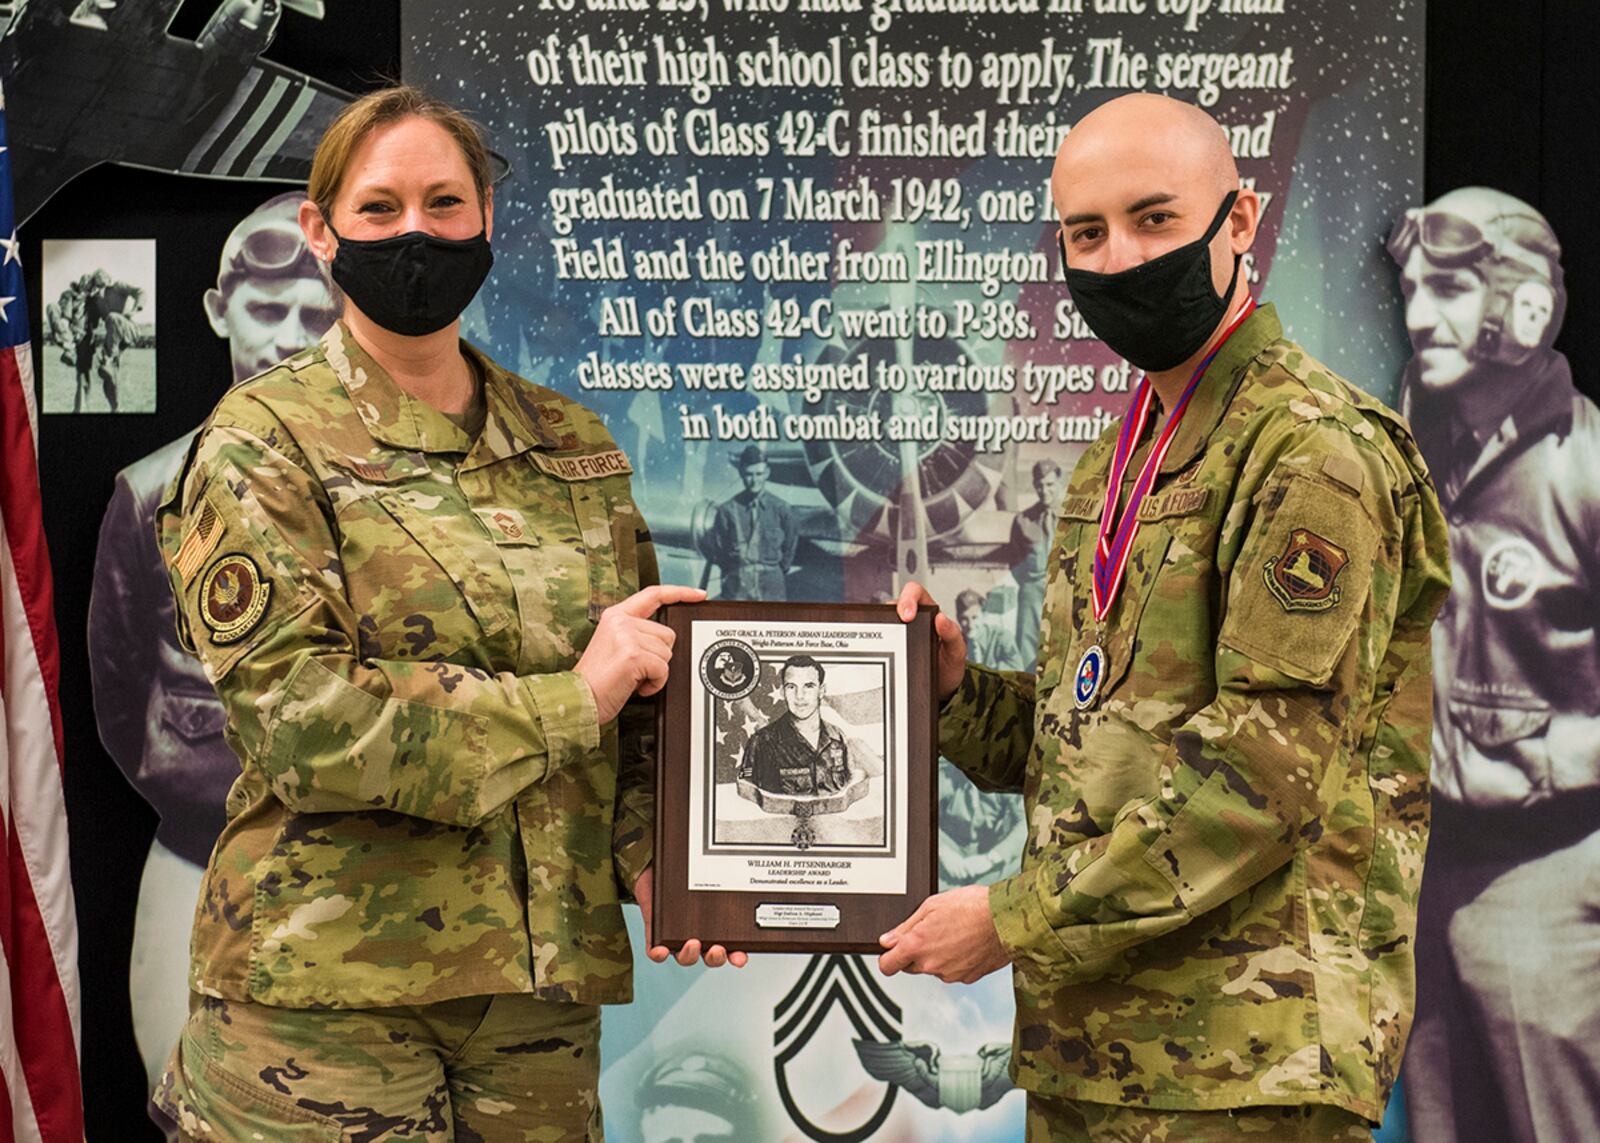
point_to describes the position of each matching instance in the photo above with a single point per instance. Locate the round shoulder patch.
(233, 597)
(1304, 577)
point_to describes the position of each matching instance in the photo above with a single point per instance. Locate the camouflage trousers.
(476, 1070)
(1071, 1121)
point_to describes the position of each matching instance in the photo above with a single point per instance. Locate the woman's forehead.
(413, 150)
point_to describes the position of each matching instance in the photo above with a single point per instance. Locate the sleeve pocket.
(1302, 579)
(1214, 841)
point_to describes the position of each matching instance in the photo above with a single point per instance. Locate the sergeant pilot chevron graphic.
(827, 981)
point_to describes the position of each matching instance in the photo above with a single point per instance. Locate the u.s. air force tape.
(588, 467)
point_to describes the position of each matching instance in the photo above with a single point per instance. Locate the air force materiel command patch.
(233, 598)
(1303, 576)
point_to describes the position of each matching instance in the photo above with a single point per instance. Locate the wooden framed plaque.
(796, 778)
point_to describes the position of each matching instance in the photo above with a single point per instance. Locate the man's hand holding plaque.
(952, 934)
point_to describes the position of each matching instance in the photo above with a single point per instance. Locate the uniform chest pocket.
(1186, 593)
(1171, 592)
(1130, 629)
(1145, 580)
(190, 718)
(1181, 512)
(450, 537)
(420, 572)
(607, 522)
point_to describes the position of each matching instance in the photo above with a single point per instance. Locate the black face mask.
(413, 283)
(1159, 313)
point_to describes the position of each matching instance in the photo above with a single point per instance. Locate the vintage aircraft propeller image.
(924, 503)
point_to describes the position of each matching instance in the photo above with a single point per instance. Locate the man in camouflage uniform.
(753, 536)
(159, 718)
(1211, 933)
(1507, 1044)
(432, 832)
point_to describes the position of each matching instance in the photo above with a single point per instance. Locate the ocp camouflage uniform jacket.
(1218, 894)
(391, 613)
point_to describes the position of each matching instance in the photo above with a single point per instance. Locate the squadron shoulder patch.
(1303, 577)
(199, 542)
(233, 598)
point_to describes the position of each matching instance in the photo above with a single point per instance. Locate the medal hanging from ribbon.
(1117, 533)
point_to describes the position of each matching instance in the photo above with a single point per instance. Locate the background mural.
(1347, 152)
(803, 263)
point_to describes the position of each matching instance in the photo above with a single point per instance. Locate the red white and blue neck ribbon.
(1117, 534)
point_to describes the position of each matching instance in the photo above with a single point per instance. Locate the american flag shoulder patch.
(200, 541)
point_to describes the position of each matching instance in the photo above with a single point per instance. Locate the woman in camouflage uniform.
(421, 588)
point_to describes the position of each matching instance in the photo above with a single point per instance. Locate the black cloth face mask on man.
(413, 283)
(1159, 313)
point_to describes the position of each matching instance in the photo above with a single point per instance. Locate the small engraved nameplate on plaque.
(796, 916)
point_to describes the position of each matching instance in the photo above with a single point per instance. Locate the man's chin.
(1443, 376)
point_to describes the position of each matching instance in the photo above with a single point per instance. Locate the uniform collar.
(1217, 387)
(1529, 400)
(518, 418)
(825, 732)
(1538, 403)
(513, 420)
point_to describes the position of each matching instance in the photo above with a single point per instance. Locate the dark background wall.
(1511, 103)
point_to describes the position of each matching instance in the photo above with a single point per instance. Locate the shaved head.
(1167, 141)
(1143, 175)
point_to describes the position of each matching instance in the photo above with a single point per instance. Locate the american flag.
(40, 1096)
